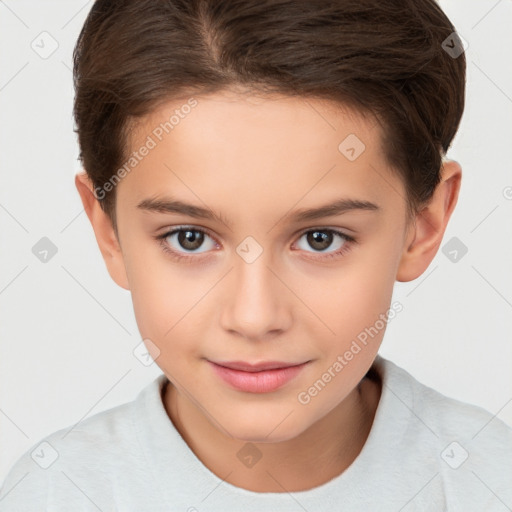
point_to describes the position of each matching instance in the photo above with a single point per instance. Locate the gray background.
(67, 332)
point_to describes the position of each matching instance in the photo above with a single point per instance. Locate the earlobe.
(425, 237)
(103, 231)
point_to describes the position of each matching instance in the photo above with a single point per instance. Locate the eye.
(185, 240)
(322, 239)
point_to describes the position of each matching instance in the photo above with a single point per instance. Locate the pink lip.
(257, 378)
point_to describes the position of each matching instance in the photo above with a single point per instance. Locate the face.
(256, 281)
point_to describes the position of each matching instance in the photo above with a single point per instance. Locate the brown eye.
(325, 243)
(322, 239)
(185, 241)
(319, 240)
(190, 239)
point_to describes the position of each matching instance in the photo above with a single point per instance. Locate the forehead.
(243, 115)
(258, 148)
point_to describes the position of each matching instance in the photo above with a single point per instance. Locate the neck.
(317, 455)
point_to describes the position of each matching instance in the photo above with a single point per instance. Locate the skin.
(255, 160)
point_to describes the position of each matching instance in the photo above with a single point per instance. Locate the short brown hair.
(381, 57)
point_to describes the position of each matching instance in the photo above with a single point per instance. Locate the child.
(258, 176)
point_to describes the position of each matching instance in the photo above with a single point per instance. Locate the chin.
(275, 428)
(262, 436)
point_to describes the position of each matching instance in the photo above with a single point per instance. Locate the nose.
(256, 305)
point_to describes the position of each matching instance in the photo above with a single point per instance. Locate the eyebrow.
(337, 207)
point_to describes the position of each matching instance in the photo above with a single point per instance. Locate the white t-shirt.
(425, 452)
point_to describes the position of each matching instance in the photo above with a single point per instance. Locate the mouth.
(263, 377)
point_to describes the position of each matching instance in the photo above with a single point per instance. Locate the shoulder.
(76, 464)
(446, 415)
(467, 449)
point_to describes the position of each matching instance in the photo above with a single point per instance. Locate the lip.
(255, 367)
(263, 377)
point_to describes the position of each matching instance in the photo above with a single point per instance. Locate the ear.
(426, 233)
(103, 230)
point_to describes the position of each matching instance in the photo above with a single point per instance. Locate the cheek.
(358, 293)
(355, 308)
(368, 293)
(166, 297)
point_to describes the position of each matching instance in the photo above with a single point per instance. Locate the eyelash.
(178, 256)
